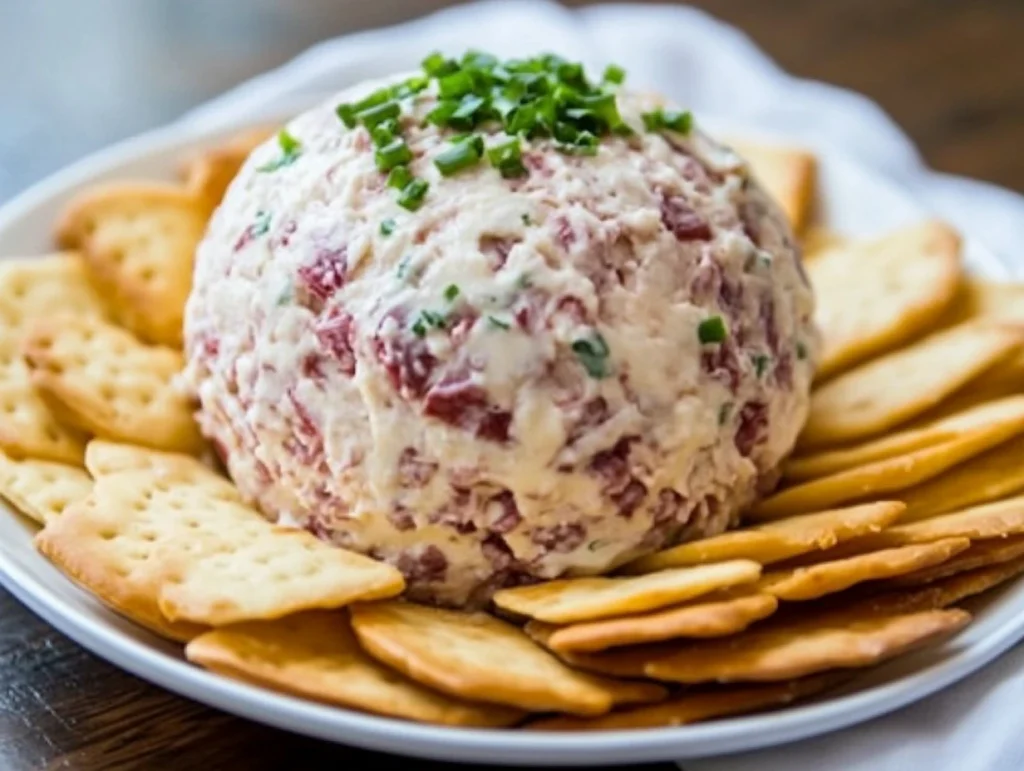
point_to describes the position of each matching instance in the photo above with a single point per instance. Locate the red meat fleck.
(401, 519)
(683, 221)
(423, 565)
(413, 472)
(630, 498)
(564, 233)
(496, 249)
(561, 538)
(752, 428)
(721, 363)
(503, 512)
(325, 275)
(459, 402)
(336, 333)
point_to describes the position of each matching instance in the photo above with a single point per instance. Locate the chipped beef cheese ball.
(492, 369)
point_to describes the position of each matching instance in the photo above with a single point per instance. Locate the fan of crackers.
(903, 498)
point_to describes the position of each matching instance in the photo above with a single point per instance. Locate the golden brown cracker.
(813, 581)
(106, 382)
(886, 477)
(894, 388)
(32, 288)
(775, 541)
(788, 174)
(876, 295)
(474, 656)
(710, 617)
(694, 707)
(783, 653)
(981, 554)
(901, 442)
(208, 174)
(625, 662)
(138, 240)
(585, 599)
(315, 655)
(40, 489)
(28, 428)
(817, 240)
(988, 477)
(984, 298)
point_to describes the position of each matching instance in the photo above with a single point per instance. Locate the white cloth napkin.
(717, 70)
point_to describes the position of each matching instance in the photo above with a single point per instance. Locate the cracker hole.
(108, 534)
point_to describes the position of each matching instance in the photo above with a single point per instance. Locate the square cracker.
(902, 385)
(138, 240)
(32, 288)
(806, 648)
(787, 173)
(316, 656)
(912, 438)
(28, 429)
(775, 541)
(585, 599)
(103, 458)
(190, 550)
(474, 656)
(102, 380)
(888, 476)
(40, 489)
(714, 616)
(904, 282)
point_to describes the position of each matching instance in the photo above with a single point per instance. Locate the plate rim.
(488, 746)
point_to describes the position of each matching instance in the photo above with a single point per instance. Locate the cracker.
(315, 655)
(775, 541)
(28, 429)
(788, 174)
(982, 298)
(817, 240)
(814, 581)
(627, 662)
(979, 555)
(113, 557)
(105, 382)
(40, 489)
(898, 386)
(902, 442)
(188, 550)
(585, 599)
(988, 477)
(32, 288)
(474, 656)
(711, 617)
(884, 477)
(208, 174)
(798, 650)
(904, 281)
(695, 707)
(991, 520)
(138, 240)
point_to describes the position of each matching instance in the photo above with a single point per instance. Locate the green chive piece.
(291, 149)
(394, 154)
(459, 156)
(761, 362)
(455, 85)
(801, 351)
(614, 74)
(679, 121)
(378, 113)
(261, 225)
(724, 412)
(436, 65)
(711, 330)
(507, 158)
(654, 120)
(399, 177)
(347, 114)
(593, 355)
(451, 292)
(412, 194)
(494, 321)
(419, 328)
(526, 219)
(442, 114)
(387, 227)
(403, 267)
(410, 87)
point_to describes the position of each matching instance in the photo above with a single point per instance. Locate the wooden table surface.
(80, 75)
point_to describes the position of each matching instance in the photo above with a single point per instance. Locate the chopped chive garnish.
(378, 113)
(403, 267)
(436, 65)
(674, 120)
(347, 114)
(711, 330)
(801, 351)
(526, 219)
(455, 85)
(261, 225)
(419, 328)
(496, 322)
(523, 282)
(459, 156)
(379, 96)
(399, 177)
(412, 194)
(507, 158)
(724, 412)
(395, 153)
(291, 149)
(614, 74)
(387, 227)
(593, 355)
(451, 292)
(761, 362)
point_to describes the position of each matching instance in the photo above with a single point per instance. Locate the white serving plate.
(852, 201)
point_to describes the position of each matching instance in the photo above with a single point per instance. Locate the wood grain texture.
(950, 73)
